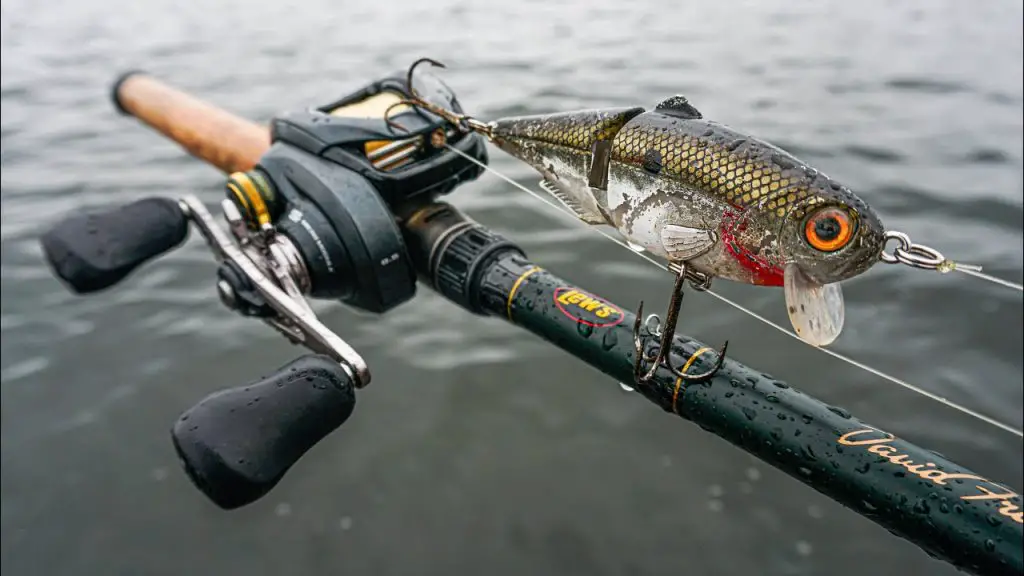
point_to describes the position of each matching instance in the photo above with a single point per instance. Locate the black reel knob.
(237, 444)
(93, 251)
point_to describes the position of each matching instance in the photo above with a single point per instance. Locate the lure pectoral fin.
(573, 204)
(682, 243)
(816, 310)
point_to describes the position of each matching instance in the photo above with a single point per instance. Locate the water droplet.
(609, 340)
(776, 433)
(625, 388)
(734, 383)
(922, 507)
(749, 412)
(159, 474)
(732, 146)
(345, 523)
(715, 505)
(780, 384)
(283, 509)
(716, 491)
(729, 394)
(807, 419)
(992, 520)
(753, 474)
(782, 161)
(815, 512)
(782, 416)
(804, 548)
(868, 506)
(944, 508)
(990, 545)
(772, 399)
(804, 471)
(808, 452)
(584, 329)
(842, 413)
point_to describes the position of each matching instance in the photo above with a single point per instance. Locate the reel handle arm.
(236, 444)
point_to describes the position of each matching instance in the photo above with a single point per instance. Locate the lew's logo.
(586, 309)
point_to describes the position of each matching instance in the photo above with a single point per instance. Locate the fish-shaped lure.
(694, 191)
(699, 194)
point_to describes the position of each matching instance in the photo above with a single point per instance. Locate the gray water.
(472, 453)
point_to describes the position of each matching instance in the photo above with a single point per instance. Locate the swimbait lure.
(712, 201)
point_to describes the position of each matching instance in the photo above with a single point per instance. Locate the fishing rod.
(332, 203)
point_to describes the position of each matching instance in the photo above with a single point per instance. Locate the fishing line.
(755, 315)
(989, 278)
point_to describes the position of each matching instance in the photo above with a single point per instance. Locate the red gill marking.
(763, 272)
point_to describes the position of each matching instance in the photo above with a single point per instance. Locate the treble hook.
(663, 357)
(464, 122)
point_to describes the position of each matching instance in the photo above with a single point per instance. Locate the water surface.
(473, 451)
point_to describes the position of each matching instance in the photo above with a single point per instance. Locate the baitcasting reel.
(316, 217)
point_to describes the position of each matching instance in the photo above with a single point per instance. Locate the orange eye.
(829, 230)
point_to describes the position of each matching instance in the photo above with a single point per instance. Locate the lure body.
(692, 190)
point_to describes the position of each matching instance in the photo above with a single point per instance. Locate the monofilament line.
(848, 360)
(990, 278)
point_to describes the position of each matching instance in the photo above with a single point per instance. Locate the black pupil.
(827, 229)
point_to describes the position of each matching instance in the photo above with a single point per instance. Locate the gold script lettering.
(845, 438)
(880, 443)
(882, 450)
(1006, 507)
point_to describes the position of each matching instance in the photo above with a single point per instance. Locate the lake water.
(471, 454)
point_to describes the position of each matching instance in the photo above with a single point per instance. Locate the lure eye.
(829, 229)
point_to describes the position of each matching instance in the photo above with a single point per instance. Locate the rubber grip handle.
(237, 444)
(227, 141)
(93, 251)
